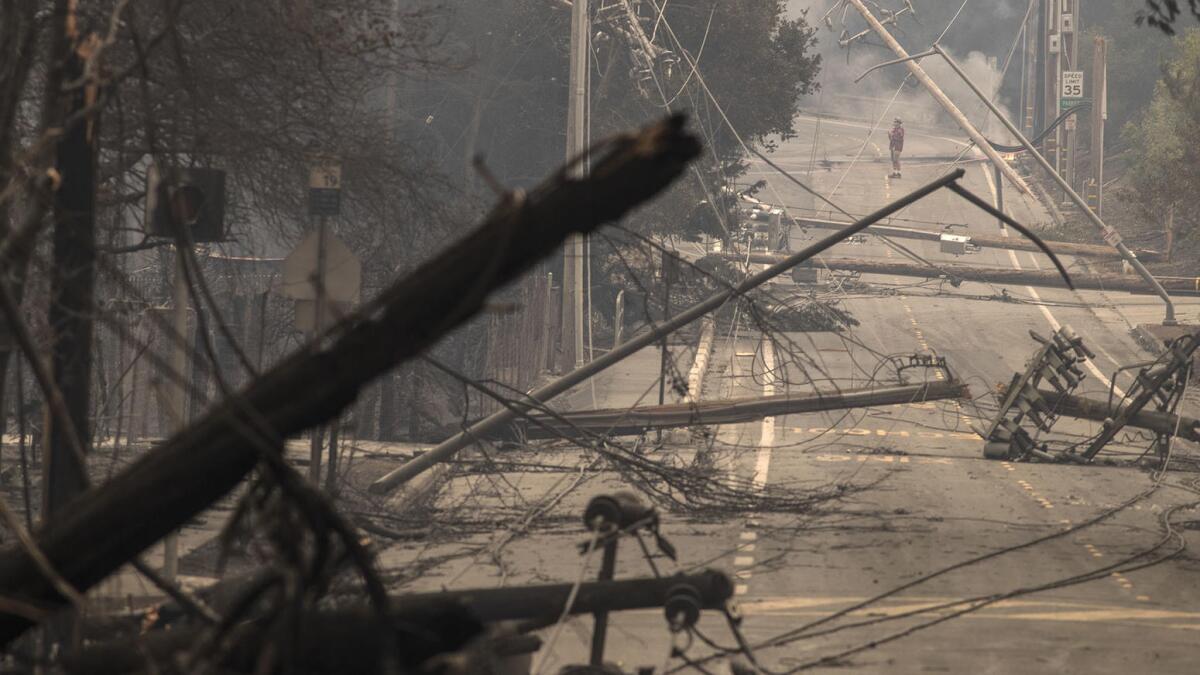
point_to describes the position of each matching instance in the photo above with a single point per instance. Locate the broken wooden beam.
(636, 421)
(109, 525)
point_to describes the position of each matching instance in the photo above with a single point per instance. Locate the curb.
(700, 363)
(696, 377)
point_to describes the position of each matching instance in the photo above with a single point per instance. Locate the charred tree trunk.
(72, 284)
(18, 47)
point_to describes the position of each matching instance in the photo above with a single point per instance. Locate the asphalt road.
(936, 501)
(918, 498)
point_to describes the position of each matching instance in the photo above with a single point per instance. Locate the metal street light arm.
(893, 62)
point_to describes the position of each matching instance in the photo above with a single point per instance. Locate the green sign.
(1064, 103)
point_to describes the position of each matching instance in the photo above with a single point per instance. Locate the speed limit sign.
(324, 186)
(1072, 84)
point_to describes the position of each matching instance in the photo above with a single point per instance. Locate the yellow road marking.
(859, 431)
(886, 459)
(1010, 610)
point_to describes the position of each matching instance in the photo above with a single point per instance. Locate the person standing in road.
(896, 145)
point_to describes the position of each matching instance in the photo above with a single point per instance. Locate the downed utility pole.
(997, 275)
(108, 526)
(548, 601)
(940, 96)
(1162, 384)
(488, 425)
(984, 241)
(633, 421)
(425, 624)
(1153, 420)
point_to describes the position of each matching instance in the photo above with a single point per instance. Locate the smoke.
(978, 41)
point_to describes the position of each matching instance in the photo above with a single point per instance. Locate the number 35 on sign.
(1072, 84)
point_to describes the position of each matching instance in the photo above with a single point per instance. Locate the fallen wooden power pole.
(984, 241)
(1085, 408)
(107, 526)
(632, 421)
(711, 588)
(994, 275)
(425, 624)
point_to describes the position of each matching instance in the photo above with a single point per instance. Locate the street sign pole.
(1071, 96)
(324, 200)
(571, 353)
(178, 402)
(318, 433)
(1099, 115)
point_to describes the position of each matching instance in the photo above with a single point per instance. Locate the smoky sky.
(979, 39)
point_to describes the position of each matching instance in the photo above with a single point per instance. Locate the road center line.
(762, 464)
(1054, 324)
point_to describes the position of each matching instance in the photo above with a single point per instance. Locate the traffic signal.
(192, 198)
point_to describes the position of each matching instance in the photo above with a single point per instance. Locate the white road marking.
(1097, 347)
(763, 463)
(1054, 324)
